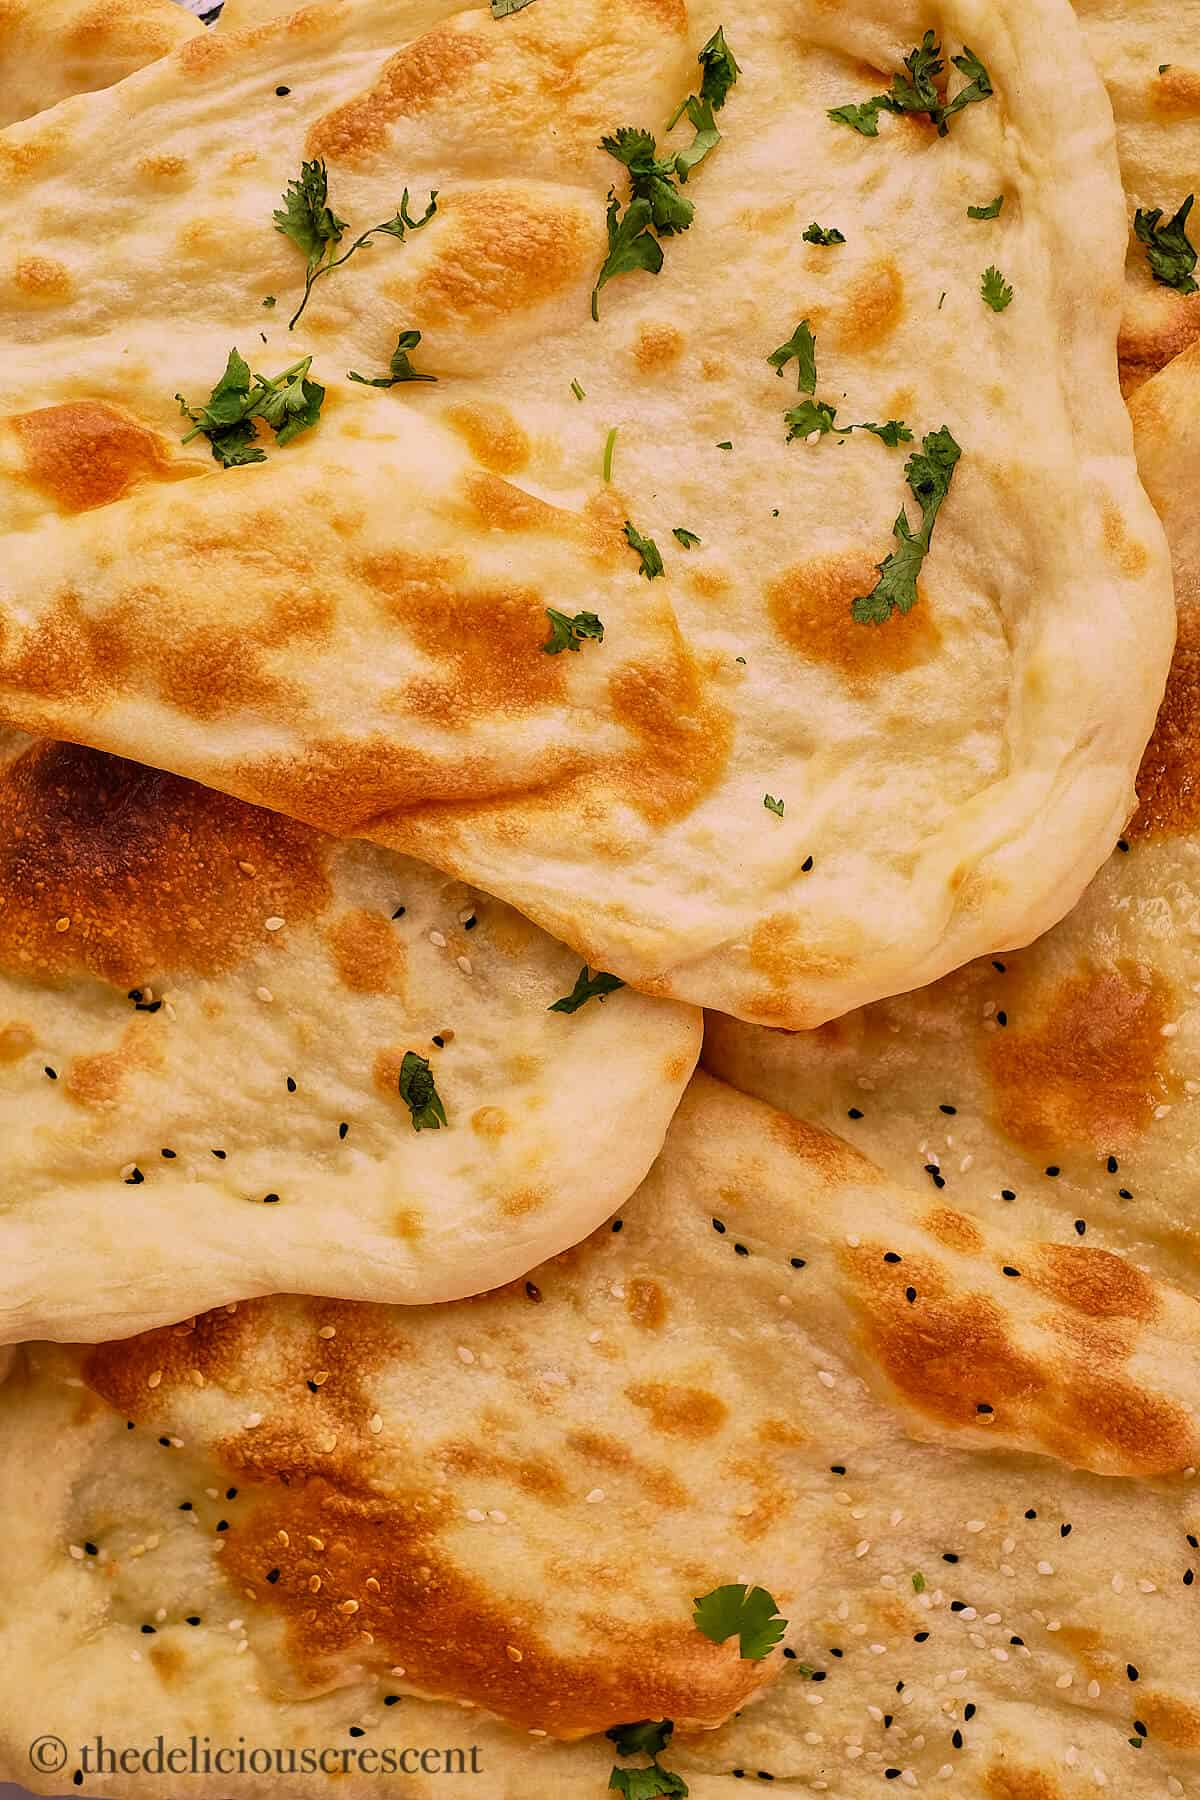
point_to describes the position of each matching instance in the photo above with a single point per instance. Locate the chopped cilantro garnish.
(990, 211)
(687, 540)
(651, 562)
(918, 1582)
(822, 234)
(700, 113)
(630, 245)
(503, 9)
(651, 178)
(310, 222)
(647, 1784)
(647, 1737)
(929, 472)
(772, 805)
(802, 345)
(610, 444)
(725, 444)
(809, 416)
(1171, 253)
(418, 1090)
(914, 90)
(589, 987)
(995, 290)
(578, 391)
(862, 118)
(399, 366)
(567, 633)
(749, 1614)
(720, 69)
(289, 404)
(895, 432)
(268, 300)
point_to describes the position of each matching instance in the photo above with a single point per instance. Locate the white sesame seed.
(1146, 1587)
(252, 1420)
(154, 1379)
(1170, 1031)
(399, 1673)
(825, 1378)
(235, 1625)
(327, 1445)
(853, 1241)
(1174, 1785)
(1093, 1690)
(1045, 1568)
(274, 923)
(1118, 1583)
(975, 1524)
(908, 1778)
(594, 1337)
(814, 437)
(968, 1613)
(1064, 1681)
(1008, 1546)
(992, 1618)
(895, 1517)
(464, 963)
(476, 1517)
(877, 1649)
(265, 995)
(860, 1549)
(1100, 1778)
(76, 1552)
(958, 1674)
(437, 940)
(376, 1423)
(62, 925)
(465, 1355)
(246, 868)
(327, 1331)
(1007, 1569)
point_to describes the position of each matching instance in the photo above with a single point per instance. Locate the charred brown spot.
(493, 437)
(1094, 1282)
(16, 1041)
(810, 607)
(501, 252)
(1020, 1784)
(87, 454)
(145, 869)
(874, 307)
(368, 956)
(1083, 1063)
(657, 347)
(685, 1412)
(436, 66)
(954, 1230)
(646, 1304)
(1168, 782)
(42, 280)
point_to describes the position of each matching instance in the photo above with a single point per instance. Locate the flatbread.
(1071, 1068)
(52, 48)
(1148, 52)
(204, 1015)
(513, 1501)
(950, 780)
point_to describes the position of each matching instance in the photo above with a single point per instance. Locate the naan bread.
(352, 633)
(204, 1012)
(512, 1502)
(1058, 1086)
(52, 48)
(1148, 52)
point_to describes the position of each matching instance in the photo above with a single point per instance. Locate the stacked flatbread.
(904, 1337)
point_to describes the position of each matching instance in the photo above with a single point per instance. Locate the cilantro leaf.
(707, 137)
(979, 85)
(645, 1737)
(990, 211)
(803, 346)
(630, 245)
(418, 1090)
(567, 633)
(895, 432)
(504, 9)
(918, 1582)
(399, 366)
(308, 220)
(929, 472)
(651, 562)
(720, 69)
(590, 987)
(775, 806)
(913, 91)
(646, 1784)
(995, 290)
(822, 234)
(810, 416)
(289, 404)
(1171, 253)
(749, 1614)
(862, 118)
(687, 540)
(652, 178)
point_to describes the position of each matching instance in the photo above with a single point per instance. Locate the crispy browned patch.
(490, 1121)
(1131, 557)
(685, 1412)
(657, 346)
(1161, 327)
(99, 1080)
(16, 1041)
(145, 869)
(1094, 1282)
(521, 1201)
(954, 1230)
(683, 734)
(873, 309)
(86, 454)
(646, 1304)
(500, 252)
(486, 644)
(810, 606)
(433, 67)
(1175, 94)
(367, 954)
(1168, 782)
(499, 506)
(835, 1159)
(168, 1663)
(42, 279)
(1171, 1721)
(162, 167)
(408, 1223)
(779, 951)
(492, 435)
(1020, 1784)
(1081, 1065)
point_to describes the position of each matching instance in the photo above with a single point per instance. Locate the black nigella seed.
(399, 912)
(135, 1180)
(951, 1110)
(1031, 1513)
(818, 1674)
(718, 1225)
(1002, 1018)
(799, 1262)
(313, 1388)
(291, 1085)
(837, 1468)
(1125, 1193)
(532, 1290)
(439, 1041)
(1131, 1671)
(1053, 1170)
(187, 1506)
(1016, 1640)
(91, 1549)
(391, 1699)
(969, 1710)
(957, 1740)
(168, 1154)
(220, 1155)
(148, 1631)
(52, 1073)
(1081, 1226)
(618, 1224)
(272, 1576)
(192, 1621)
(224, 1525)
(919, 1637)
(837, 1653)
(281, 91)
(890, 1774)
(1007, 1194)
(887, 1721)
(356, 1731)
(950, 1556)
(77, 1778)
(1009, 1270)
(741, 1250)
(1123, 845)
(1193, 1541)
(343, 1128)
(854, 1113)
(1188, 1577)
(1140, 1729)
(910, 1294)
(471, 923)
(958, 1606)
(805, 869)
(270, 1199)
(1002, 967)
(231, 1493)
(1113, 1165)
(790, 1655)
(981, 1406)
(891, 1256)
(1064, 1531)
